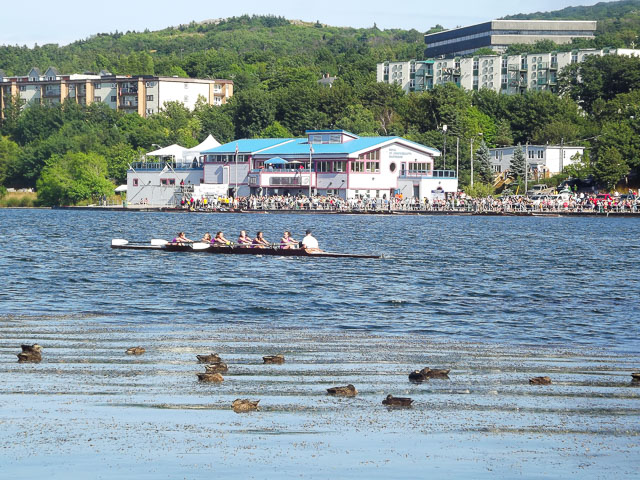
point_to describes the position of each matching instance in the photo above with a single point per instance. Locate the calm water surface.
(540, 281)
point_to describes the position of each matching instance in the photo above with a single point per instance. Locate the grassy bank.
(19, 199)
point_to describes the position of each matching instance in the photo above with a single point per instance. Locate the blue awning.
(276, 161)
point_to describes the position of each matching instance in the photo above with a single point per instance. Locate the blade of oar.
(119, 241)
(200, 246)
(158, 241)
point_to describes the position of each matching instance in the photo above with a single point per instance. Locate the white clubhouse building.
(325, 162)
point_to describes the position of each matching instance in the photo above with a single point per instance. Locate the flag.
(311, 149)
(236, 149)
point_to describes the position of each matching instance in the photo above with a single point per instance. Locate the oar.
(158, 242)
(119, 241)
(200, 246)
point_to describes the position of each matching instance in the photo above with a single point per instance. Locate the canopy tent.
(194, 153)
(174, 150)
(121, 189)
(276, 161)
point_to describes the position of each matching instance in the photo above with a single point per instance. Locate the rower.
(243, 239)
(259, 241)
(206, 238)
(309, 243)
(287, 242)
(221, 240)
(181, 239)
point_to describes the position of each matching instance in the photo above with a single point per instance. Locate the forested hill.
(224, 49)
(599, 11)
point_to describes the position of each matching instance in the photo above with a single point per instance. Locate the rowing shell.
(232, 250)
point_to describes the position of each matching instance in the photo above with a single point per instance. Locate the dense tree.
(518, 163)
(610, 167)
(482, 164)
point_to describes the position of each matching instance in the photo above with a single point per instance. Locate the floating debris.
(347, 391)
(635, 377)
(210, 358)
(210, 377)
(274, 359)
(30, 354)
(218, 367)
(392, 401)
(540, 381)
(135, 351)
(244, 405)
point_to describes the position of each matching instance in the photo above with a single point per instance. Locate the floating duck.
(392, 401)
(540, 381)
(135, 351)
(210, 377)
(218, 367)
(274, 359)
(348, 391)
(244, 405)
(210, 358)
(419, 376)
(30, 354)
(635, 377)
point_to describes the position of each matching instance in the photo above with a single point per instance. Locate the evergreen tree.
(610, 167)
(483, 163)
(518, 163)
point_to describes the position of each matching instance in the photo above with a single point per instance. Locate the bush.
(480, 190)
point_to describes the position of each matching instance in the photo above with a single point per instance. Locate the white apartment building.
(509, 74)
(547, 160)
(143, 94)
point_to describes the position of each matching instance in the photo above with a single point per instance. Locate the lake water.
(497, 300)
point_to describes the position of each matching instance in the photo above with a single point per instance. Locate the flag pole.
(235, 191)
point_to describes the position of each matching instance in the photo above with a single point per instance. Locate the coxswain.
(309, 243)
(259, 241)
(244, 239)
(287, 241)
(181, 239)
(221, 240)
(206, 238)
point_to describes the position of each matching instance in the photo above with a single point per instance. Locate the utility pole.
(526, 168)
(444, 156)
(561, 155)
(472, 139)
(457, 155)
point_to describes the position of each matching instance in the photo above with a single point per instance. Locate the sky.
(40, 22)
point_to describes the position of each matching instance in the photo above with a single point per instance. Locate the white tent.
(175, 151)
(121, 189)
(194, 153)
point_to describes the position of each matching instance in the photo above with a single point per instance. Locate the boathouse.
(328, 162)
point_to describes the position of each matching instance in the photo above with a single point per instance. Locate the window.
(172, 181)
(135, 182)
(97, 85)
(149, 98)
(23, 88)
(531, 153)
(373, 167)
(323, 167)
(372, 155)
(186, 86)
(97, 99)
(540, 154)
(357, 167)
(186, 99)
(421, 167)
(114, 99)
(340, 166)
(149, 111)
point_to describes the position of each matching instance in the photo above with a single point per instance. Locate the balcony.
(282, 178)
(128, 105)
(128, 91)
(554, 65)
(429, 174)
(51, 94)
(159, 166)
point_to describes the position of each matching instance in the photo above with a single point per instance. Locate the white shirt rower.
(309, 242)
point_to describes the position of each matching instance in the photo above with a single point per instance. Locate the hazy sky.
(40, 21)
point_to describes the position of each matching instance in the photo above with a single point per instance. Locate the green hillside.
(254, 46)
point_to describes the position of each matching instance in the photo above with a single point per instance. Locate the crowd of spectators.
(565, 201)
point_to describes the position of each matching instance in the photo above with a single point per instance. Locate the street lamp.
(472, 139)
(444, 156)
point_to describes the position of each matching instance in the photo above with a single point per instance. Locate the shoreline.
(447, 213)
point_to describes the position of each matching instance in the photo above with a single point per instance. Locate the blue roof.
(247, 145)
(300, 146)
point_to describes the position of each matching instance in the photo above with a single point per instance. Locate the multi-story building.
(544, 159)
(143, 94)
(508, 74)
(499, 34)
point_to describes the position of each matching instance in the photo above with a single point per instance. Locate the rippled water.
(542, 281)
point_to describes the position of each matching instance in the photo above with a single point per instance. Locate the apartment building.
(508, 74)
(545, 159)
(142, 94)
(499, 34)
